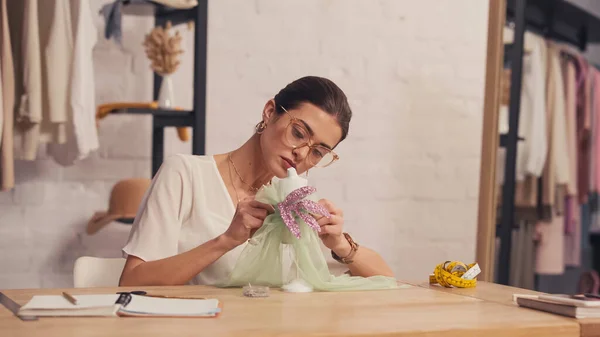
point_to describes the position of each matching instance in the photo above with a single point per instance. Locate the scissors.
(135, 292)
(144, 293)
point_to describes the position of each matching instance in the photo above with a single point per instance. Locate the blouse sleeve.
(155, 231)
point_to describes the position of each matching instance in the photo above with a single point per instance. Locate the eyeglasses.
(297, 136)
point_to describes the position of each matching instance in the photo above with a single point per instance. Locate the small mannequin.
(289, 184)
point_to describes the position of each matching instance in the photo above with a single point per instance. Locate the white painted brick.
(38, 170)
(56, 252)
(30, 194)
(442, 220)
(7, 197)
(126, 137)
(86, 194)
(174, 145)
(143, 169)
(15, 249)
(93, 168)
(11, 216)
(113, 77)
(57, 280)
(107, 242)
(20, 280)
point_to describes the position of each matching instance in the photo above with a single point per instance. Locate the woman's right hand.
(248, 218)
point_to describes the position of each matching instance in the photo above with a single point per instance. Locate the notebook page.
(59, 302)
(172, 306)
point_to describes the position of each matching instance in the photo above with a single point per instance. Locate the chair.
(91, 272)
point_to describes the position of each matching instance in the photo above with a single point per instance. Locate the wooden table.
(415, 311)
(501, 294)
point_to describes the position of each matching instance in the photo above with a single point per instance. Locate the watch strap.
(350, 257)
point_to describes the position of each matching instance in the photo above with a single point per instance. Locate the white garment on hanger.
(29, 115)
(82, 101)
(58, 55)
(532, 151)
(559, 125)
(82, 135)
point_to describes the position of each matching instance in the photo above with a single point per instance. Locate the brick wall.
(408, 178)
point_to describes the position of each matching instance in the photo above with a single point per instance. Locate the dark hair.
(320, 92)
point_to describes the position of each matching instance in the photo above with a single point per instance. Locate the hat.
(125, 198)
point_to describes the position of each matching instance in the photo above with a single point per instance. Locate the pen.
(69, 298)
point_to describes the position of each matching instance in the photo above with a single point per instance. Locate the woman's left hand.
(332, 228)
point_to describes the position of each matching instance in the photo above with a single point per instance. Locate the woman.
(200, 211)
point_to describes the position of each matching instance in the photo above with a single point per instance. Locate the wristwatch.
(353, 248)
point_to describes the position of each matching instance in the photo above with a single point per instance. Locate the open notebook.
(120, 305)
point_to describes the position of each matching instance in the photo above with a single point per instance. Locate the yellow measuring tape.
(455, 274)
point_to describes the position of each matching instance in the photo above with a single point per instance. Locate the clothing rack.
(557, 20)
(195, 118)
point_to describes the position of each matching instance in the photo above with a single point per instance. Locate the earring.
(260, 127)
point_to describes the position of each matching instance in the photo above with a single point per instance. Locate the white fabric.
(83, 103)
(29, 115)
(82, 135)
(186, 205)
(58, 55)
(532, 151)
(559, 125)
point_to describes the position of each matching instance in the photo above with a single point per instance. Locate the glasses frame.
(307, 143)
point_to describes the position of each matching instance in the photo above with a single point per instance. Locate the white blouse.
(186, 205)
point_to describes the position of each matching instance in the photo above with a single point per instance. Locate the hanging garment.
(548, 180)
(522, 257)
(532, 151)
(58, 54)
(1, 118)
(572, 239)
(595, 200)
(82, 134)
(580, 116)
(29, 113)
(559, 123)
(583, 127)
(8, 93)
(595, 96)
(593, 130)
(556, 170)
(571, 112)
(550, 256)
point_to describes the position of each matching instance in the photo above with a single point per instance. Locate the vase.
(165, 95)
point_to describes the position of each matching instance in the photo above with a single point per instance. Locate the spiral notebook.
(120, 305)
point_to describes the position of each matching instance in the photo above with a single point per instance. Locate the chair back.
(90, 272)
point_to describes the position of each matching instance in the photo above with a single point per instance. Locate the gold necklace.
(232, 183)
(254, 189)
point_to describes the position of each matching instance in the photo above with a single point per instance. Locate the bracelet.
(353, 248)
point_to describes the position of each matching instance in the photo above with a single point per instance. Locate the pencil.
(70, 298)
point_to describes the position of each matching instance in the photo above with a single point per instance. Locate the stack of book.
(577, 306)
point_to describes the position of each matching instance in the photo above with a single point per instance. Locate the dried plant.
(163, 49)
